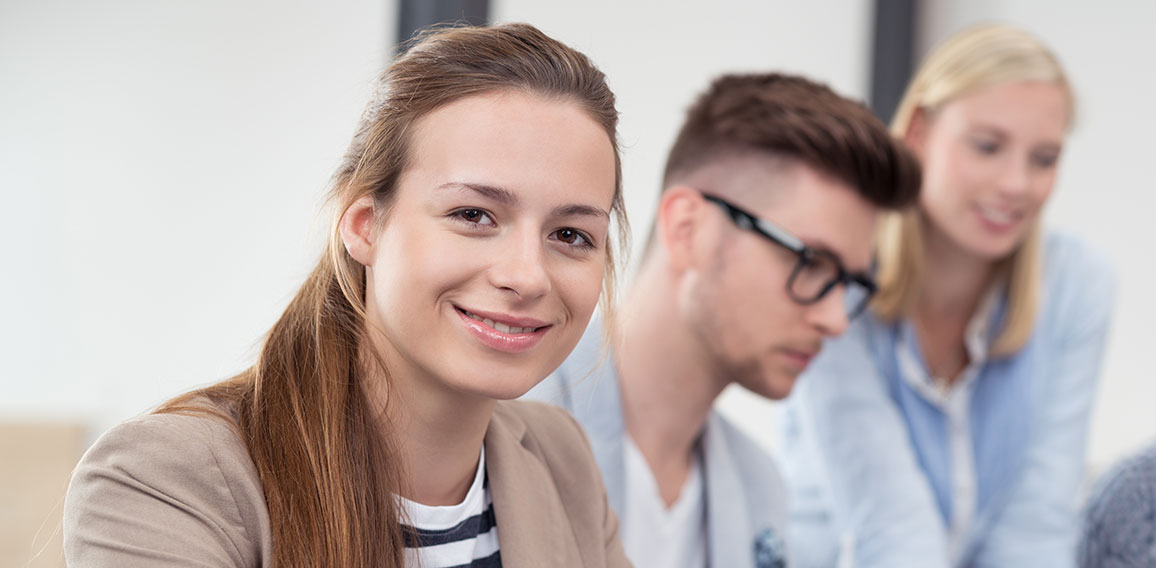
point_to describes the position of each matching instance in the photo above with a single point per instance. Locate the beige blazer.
(178, 490)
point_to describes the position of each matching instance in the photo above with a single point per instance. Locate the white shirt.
(455, 535)
(653, 535)
(955, 402)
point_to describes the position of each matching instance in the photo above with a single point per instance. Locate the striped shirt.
(454, 536)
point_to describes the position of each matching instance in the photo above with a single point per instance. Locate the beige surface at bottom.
(36, 460)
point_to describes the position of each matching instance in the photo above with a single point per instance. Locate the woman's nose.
(521, 266)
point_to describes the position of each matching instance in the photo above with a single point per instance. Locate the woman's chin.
(992, 248)
(499, 386)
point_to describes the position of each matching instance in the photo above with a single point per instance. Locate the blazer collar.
(593, 398)
(533, 529)
(729, 529)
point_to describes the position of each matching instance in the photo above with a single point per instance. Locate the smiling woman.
(470, 246)
(501, 221)
(947, 428)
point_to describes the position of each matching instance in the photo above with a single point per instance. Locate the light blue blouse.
(871, 456)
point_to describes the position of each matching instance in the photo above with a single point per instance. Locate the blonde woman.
(469, 250)
(947, 428)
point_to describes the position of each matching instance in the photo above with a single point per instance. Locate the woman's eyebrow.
(507, 197)
(504, 196)
(579, 209)
(986, 128)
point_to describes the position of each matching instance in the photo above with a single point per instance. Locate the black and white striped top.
(455, 536)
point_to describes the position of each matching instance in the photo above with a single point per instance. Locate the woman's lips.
(501, 332)
(997, 220)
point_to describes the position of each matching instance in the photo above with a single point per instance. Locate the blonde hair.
(975, 58)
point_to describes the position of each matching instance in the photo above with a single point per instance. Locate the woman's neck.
(954, 282)
(440, 443)
(438, 432)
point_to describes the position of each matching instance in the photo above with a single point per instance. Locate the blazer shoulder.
(163, 485)
(541, 420)
(753, 457)
(181, 447)
(556, 438)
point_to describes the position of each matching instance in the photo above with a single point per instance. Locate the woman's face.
(491, 259)
(989, 164)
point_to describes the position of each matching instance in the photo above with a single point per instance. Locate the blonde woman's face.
(491, 260)
(989, 164)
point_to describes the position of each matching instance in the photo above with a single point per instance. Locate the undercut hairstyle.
(794, 118)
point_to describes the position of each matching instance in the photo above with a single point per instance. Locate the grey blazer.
(179, 490)
(746, 500)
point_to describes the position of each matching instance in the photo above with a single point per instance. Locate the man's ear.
(916, 135)
(679, 224)
(357, 230)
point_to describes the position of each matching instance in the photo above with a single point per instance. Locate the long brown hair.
(325, 454)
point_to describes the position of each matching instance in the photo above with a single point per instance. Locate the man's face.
(736, 299)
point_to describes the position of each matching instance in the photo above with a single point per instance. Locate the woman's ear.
(916, 135)
(357, 230)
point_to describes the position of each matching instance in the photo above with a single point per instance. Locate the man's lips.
(800, 357)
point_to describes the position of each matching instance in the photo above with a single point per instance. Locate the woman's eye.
(475, 216)
(573, 237)
(985, 146)
(1045, 161)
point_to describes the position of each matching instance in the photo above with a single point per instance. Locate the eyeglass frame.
(805, 254)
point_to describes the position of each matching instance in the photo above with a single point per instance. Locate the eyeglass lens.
(818, 275)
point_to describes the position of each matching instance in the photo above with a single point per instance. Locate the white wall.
(1106, 192)
(161, 168)
(162, 164)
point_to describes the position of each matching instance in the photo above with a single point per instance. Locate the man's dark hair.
(793, 117)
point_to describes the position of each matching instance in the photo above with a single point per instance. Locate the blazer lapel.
(729, 530)
(597, 405)
(533, 529)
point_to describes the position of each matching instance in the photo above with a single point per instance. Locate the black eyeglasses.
(816, 272)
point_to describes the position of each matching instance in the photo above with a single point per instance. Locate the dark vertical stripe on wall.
(892, 60)
(414, 15)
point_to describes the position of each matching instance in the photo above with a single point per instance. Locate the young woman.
(947, 428)
(470, 247)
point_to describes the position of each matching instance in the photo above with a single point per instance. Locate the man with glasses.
(761, 250)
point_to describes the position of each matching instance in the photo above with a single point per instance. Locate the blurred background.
(163, 164)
